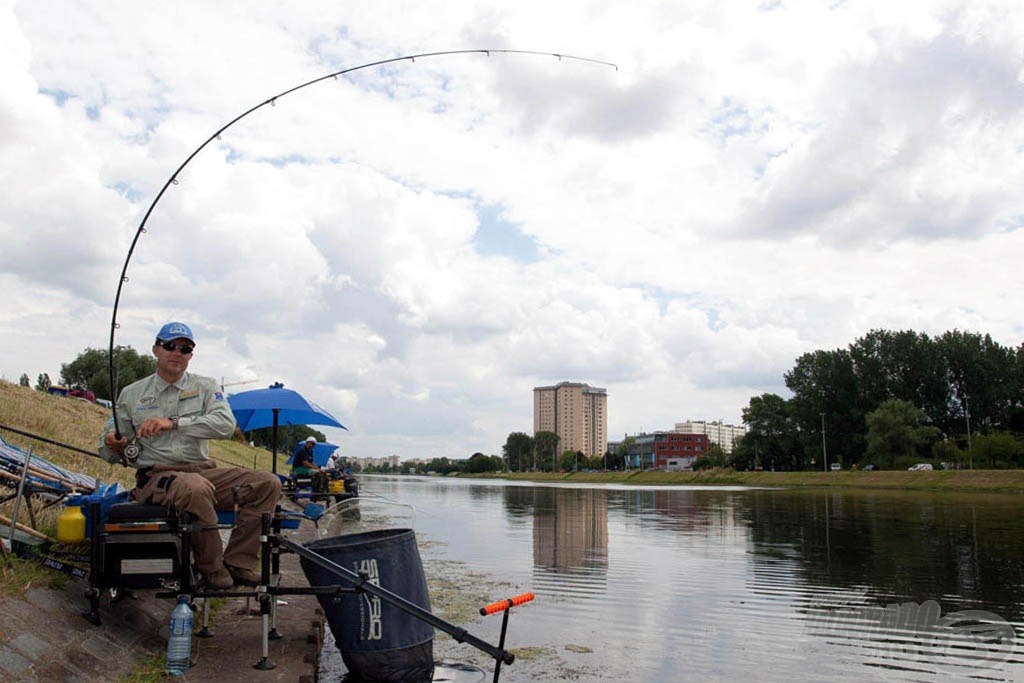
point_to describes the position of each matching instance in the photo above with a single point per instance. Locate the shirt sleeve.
(104, 452)
(125, 421)
(216, 421)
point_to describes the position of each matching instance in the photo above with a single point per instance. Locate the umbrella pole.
(273, 464)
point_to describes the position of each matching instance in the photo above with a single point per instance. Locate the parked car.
(920, 467)
(835, 467)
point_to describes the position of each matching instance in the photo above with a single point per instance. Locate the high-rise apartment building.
(577, 412)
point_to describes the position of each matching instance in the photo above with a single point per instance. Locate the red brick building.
(654, 450)
(674, 445)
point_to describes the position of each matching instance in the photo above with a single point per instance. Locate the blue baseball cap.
(175, 331)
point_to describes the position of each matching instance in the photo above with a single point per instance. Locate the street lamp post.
(824, 450)
(967, 414)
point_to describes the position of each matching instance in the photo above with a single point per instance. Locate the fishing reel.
(132, 452)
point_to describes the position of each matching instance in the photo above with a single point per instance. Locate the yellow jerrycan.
(71, 523)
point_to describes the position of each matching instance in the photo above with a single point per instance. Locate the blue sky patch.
(127, 191)
(59, 96)
(497, 237)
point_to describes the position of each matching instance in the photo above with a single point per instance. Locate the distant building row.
(578, 414)
(679, 449)
(391, 461)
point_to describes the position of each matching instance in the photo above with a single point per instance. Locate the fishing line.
(173, 179)
(392, 501)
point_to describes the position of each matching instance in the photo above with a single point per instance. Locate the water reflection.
(904, 546)
(570, 526)
(652, 584)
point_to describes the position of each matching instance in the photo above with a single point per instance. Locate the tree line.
(476, 464)
(889, 398)
(540, 453)
(90, 371)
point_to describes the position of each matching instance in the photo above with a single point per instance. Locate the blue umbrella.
(321, 453)
(275, 406)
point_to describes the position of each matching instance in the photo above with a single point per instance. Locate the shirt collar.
(162, 384)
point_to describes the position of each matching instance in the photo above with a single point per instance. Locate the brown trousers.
(201, 489)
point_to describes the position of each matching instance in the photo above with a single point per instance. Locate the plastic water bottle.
(179, 643)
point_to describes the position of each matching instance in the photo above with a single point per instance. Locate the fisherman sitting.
(304, 465)
(302, 458)
(163, 424)
(336, 461)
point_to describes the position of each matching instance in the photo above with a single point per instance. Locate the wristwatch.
(174, 421)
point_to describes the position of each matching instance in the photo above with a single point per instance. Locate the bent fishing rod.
(173, 179)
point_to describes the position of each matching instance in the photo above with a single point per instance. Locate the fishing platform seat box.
(139, 547)
(316, 482)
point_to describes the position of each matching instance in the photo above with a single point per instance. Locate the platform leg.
(93, 613)
(274, 634)
(205, 631)
(95, 566)
(265, 662)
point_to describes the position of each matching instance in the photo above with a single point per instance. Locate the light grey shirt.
(198, 403)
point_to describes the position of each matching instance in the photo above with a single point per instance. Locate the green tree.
(745, 455)
(964, 382)
(570, 461)
(24, 380)
(715, 457)
(91, 370)
(544, 451)
(478, 463)
(947, 451)
(896, 430)
(1016, 423)
(997, 449)
(772, 440)
(824, 387)
(617, 460)
(518, 451)
(902, 365)
(43, 382)
(444, 466)
(983, 380)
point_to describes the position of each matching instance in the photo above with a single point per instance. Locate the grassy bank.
(964, 480)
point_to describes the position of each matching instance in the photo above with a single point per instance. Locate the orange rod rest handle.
(508, 603)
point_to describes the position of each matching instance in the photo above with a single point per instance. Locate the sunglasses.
(183, 348)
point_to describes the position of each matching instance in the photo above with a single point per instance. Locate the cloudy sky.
(418, 245)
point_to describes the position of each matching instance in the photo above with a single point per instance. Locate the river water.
(720, 584)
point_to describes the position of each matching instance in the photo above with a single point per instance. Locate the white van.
(920, 467)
